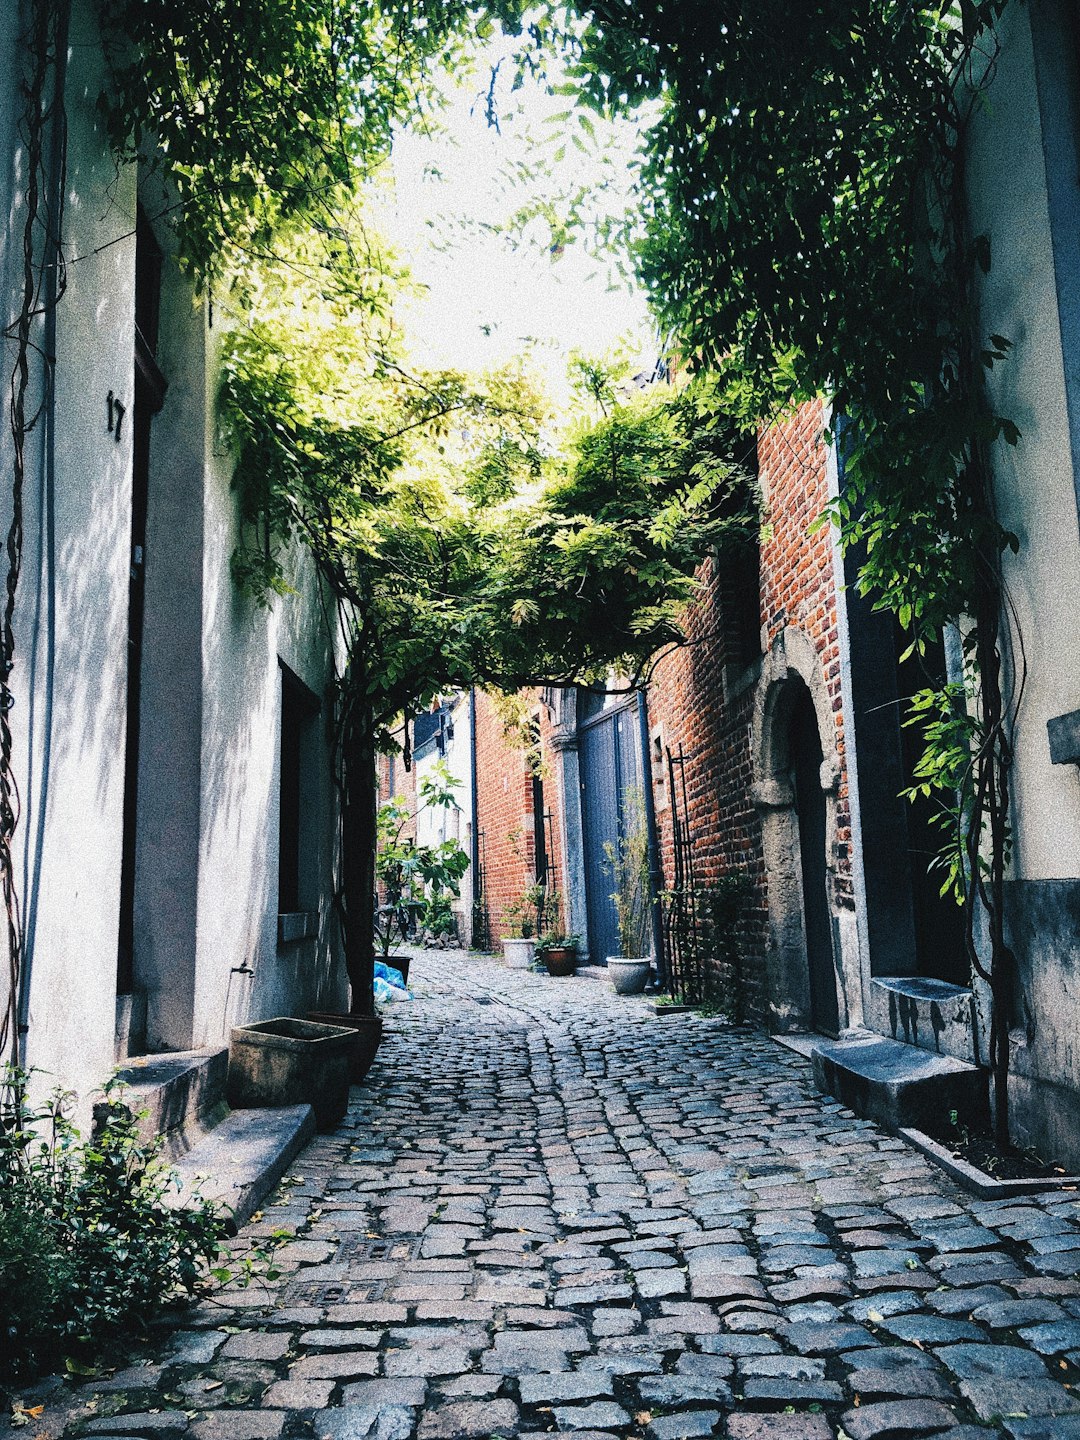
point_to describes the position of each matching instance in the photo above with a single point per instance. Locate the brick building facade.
(763, 654)
(518, 809)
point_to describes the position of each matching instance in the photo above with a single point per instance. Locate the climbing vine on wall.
(42, 132)
(805, 232)
(802, 229)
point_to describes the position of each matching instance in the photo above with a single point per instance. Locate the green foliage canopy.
(459, 547)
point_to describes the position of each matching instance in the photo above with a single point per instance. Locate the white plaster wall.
(1034, 480)
(71, 618)
(71, 647)
(238, 861)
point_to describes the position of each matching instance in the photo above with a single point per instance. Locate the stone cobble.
(549, 1210)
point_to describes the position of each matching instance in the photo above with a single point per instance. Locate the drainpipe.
(656, 874)
(47, 493)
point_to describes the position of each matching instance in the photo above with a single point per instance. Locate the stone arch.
(790, 669)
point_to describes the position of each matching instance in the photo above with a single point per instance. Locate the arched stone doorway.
(797, 776)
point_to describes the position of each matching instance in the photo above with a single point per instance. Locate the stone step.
(898, 1085)
(243, 1157)
(182, 1093)
(931, 1014)
(234, 1157)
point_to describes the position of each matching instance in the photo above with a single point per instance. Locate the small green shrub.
(90, 1247)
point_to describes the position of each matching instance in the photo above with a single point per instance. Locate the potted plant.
(556, 947)
(519, 947)
(628, 866)
(558, 951)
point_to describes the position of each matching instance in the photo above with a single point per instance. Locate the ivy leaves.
(462, 543)
(264, 115)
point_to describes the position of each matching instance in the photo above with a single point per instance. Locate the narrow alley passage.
(550, 1210)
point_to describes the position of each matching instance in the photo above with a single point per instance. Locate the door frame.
(791, 662)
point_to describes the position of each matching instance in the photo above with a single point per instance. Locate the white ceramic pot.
(629, 976)
(518, 954)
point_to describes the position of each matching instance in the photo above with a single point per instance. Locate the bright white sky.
(485, 302)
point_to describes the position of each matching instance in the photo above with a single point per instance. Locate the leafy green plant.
(92, 1245)
(417, 879)
(552, 934)
(521, 914)
(437, 916)
(627, 863)
(803, 228)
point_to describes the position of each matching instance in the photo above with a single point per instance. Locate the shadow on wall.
(241, 758)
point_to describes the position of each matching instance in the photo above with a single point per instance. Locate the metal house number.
(116, 410)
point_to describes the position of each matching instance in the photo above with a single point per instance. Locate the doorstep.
(240, 1161)
(895, 1084)
(234, 1157)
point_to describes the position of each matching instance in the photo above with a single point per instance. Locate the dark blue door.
(610, 758)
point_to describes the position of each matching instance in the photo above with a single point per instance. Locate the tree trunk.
(358, 841)
(995, 782)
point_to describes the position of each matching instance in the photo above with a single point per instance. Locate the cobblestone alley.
(549, 1210)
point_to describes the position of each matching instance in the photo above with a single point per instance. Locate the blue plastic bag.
(389, 983)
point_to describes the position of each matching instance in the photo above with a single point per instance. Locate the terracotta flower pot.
(367, 1030)
(560, 959)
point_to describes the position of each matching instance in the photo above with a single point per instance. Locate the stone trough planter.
(628, 975)
(518, 953)
(286, 1061)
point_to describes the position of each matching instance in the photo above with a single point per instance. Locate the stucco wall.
(1023, 192)
(434, 824)
(71, 619)
(1034, 480)
(206, 873)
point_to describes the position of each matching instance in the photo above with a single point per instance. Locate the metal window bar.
(481, 921)
(682, 952)
(544, 876)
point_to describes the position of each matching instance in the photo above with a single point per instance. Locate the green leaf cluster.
(462, 539)
(264, 115)
(803, 233)
(91, 1243)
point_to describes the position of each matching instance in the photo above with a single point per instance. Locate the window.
(740, 602)
(299, 707)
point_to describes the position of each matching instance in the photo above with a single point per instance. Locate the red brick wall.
(687, 706)
(798, 579)
(504, 808)
(687, 697)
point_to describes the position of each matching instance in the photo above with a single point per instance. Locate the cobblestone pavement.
(550, 1210)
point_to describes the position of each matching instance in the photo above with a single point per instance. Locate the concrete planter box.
(518, 953)
(291, 1062)
(629, 976)
(367, 1029)
(986, 1187)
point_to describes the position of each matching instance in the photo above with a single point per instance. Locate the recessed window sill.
(295, 926)
(737, 681)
